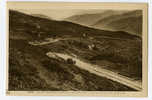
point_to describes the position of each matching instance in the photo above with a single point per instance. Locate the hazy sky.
(59, 11)
(59, 14)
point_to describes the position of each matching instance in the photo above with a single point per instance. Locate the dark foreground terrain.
(31, 69)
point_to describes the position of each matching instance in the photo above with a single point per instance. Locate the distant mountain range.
(90, 19)
(128, 21)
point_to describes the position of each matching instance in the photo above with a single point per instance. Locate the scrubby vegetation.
(31, 69)
(121, 56)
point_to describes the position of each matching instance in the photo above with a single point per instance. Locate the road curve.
(100, 71)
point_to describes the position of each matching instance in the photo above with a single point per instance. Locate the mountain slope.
(41, 16)
(90, 19)
(31, 69)
(32, 26)
(130, 22)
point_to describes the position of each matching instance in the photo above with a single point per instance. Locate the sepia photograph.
(77, 49)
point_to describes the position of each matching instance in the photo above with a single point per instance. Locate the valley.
(105, 60)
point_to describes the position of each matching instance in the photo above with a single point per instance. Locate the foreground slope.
(31, 69)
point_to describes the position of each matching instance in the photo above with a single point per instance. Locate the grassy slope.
(84, 19)
(122, 56)
(22, 23)
(130, 22)
(31, 69)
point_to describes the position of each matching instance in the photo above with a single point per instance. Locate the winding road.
(100, 71)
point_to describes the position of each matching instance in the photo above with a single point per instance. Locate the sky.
(61, 11)
(59, 14)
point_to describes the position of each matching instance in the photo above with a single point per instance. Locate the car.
(70, 61)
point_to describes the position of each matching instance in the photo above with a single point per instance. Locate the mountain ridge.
(129, 22)
(112, 21)
(84, 19)
(60, 27)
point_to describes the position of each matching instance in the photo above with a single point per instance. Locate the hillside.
(31, 69)
(130, 22)
(35, 25)
(41, 16)
(90, 19)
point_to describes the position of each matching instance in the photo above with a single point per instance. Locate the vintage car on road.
(70, 61)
